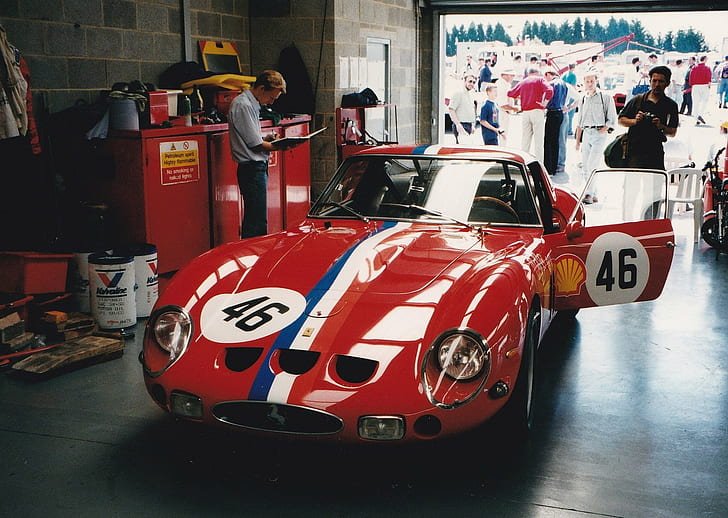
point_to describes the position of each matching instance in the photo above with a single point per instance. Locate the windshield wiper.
(347, 209)
(431, 212)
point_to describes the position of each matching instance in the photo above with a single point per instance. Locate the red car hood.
(389, 259)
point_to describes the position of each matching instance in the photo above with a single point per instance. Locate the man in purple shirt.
(535, 93)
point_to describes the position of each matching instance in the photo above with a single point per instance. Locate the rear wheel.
(518, 413)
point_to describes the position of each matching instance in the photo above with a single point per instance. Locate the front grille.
(273, 417)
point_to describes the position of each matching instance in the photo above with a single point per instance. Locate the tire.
(709, 233)
(517, 415)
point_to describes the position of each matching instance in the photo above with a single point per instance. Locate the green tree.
(472, 33)
(480, 33)
(500, 34)
(577, 31)
(667, 44)
(588, 32)
(563, 33)
(526, 31)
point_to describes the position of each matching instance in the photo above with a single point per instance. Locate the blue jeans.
(565, 125)
(723, 92)
(253, 183)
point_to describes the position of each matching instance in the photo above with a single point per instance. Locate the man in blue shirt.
(554, 118)
(570, 79)
(485, 76)
(250, 148)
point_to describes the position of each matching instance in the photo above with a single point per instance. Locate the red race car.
(411, 302)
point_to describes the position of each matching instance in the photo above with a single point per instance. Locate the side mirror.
(574, 229)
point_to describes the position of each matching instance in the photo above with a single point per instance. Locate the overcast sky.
(713, 25)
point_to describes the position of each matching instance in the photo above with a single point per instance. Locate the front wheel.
(709, 232)
(517, 415)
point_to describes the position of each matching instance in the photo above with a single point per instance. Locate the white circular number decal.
(618, 268)
(250, 315)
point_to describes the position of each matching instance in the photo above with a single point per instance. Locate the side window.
(613, 196)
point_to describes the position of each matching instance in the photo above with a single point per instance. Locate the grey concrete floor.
(632, 421)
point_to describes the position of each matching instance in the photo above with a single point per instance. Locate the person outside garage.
(686, 107)
(462, 108)
(572, 101)
(596, 118)
(633, 76)
(570, 79)
(489, 117)
(534, 93)
(250, 149)
(485, 75)
(554, 118)
(677, 84)
(506, 104)
(700, 78)
(650, 119)
(723, 84)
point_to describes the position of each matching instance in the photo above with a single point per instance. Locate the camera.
(648, 116)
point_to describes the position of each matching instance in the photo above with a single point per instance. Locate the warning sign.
(180, 162)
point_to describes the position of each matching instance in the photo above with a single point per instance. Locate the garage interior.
(632, 407)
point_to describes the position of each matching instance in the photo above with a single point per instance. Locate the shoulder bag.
(616, 154)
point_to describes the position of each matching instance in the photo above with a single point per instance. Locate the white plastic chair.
(689, 190)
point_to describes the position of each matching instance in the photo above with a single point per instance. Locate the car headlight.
(172, 330)
(462, 356)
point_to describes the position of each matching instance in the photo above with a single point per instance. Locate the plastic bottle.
(185, 110)
(196, 100)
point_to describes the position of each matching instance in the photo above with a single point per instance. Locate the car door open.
(620, 249)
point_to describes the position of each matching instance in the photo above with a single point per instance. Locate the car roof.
(463, 151)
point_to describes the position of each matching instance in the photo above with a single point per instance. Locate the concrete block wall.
(325, 31)
(76, 48)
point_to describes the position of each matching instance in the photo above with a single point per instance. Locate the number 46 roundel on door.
(614, 264)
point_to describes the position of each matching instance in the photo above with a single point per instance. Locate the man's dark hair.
(661, 69)
(679, 62)
(635, 60)
(652, 56)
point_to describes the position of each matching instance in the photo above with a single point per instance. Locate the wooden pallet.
(71, 355)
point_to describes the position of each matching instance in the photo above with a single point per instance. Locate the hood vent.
(355, 370)
(238, 359)
(296, 361)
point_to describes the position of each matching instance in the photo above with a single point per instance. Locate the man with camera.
(650, 119)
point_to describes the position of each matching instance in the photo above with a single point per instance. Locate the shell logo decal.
(570, 274)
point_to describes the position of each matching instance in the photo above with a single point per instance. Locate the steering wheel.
(499, 204)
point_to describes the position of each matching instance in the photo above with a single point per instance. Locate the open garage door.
(659, 23)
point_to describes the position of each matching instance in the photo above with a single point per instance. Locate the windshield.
(439, 189)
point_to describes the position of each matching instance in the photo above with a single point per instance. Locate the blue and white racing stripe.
(334, 284)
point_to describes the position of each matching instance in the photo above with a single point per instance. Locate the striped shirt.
(597, 110)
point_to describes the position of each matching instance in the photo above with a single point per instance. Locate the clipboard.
(294, 141)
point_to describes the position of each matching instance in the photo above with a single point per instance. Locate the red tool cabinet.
(177, 188)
